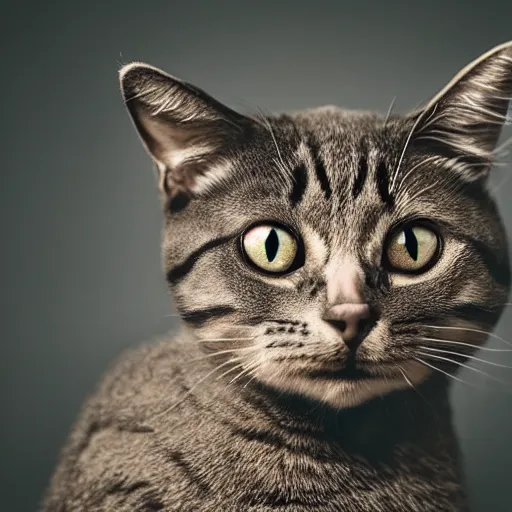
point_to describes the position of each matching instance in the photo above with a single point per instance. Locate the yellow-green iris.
(412, 248)
(270, 247)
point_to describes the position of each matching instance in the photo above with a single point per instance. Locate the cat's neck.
(414, 416)
(410, 414)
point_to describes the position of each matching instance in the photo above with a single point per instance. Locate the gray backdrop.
(80, 215)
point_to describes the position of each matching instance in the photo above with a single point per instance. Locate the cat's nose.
(350, 319)
(346, 307)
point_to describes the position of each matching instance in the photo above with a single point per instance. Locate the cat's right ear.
(187, 133)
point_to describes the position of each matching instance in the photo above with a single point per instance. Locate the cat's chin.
(340, 393)
(344, 391)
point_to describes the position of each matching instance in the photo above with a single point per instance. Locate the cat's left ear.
(186, 132)
(463, 122)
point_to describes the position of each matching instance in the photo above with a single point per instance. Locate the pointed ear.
(185, 131)
(463, 122)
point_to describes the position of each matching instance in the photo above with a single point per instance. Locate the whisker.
(220, 352)
(470, 329)
(414, 126)
(238, 366)
(271, 131)
(445, 373)
(227, 372)
(402, 371)
(474, 358)
(244, 371)
(414, 167)
(477, 370)
(453, 342)
(390, 110)
(496, 163)
(191, 390)
(209, 340)
(284, 172)
(434, 119)
(254, 375)
(418, 194)
(409, 382)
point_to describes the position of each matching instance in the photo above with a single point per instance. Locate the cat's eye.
(272, 249)
(412, 249)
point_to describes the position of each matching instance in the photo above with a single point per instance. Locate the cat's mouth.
(349, 370)
(349, 374)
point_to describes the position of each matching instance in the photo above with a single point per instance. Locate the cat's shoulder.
(140, 361)
(114, 424)
(140, 379)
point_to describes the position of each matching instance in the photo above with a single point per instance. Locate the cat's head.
(332, 253)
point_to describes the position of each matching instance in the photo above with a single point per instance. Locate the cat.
(332, 270)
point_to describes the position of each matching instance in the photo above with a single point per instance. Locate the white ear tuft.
(185, 130)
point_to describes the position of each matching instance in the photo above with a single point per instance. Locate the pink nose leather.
(349, 315)
(346, 306)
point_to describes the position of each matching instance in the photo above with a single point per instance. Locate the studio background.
(80, 217)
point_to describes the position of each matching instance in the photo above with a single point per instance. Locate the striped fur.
(249, 408)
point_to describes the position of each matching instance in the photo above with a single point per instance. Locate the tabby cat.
(332, 270)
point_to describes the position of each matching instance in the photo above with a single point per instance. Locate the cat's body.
(222, 450)
(333, 269)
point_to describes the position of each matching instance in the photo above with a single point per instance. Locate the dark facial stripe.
(300, 182)
(497, 263)
(180, 271)
(362, 172)
(498, 268)
(199, 317)
(473, 312)
(383, 184)
(321, 174)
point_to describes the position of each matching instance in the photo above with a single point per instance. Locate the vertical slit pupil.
(272, 245)
(411, 243)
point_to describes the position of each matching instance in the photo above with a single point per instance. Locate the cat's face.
(335, 254)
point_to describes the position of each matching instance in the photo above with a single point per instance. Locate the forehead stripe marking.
(362, 171)
(321, 174)
(300, 183)
(383, 184)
